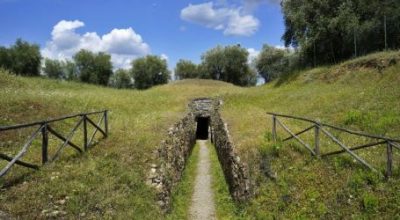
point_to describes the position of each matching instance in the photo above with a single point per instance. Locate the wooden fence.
(319, 128)
(44, 128)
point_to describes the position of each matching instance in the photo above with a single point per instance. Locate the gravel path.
(203, 206)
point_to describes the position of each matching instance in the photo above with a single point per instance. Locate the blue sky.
(131, 29)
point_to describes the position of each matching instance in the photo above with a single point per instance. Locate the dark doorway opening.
(202, 128)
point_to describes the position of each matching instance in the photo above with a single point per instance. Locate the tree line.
(331, 31)
(25, 59)
(229, 64)
(317, 33)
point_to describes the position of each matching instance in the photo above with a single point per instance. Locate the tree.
(236, 67)
(93, 68)
(84, 61)
(149, 71)
(5, 58)
(333, 30)
(271, 62)
(59, 69)
(121, 79)
(202, 71)
(186, 69)
(53, 69)
(103, 68)
(70, 70)
(22, 58)
(229, 64)
(213, 63)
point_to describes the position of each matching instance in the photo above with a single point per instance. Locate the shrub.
(185, 69)
(370, 202)
(22, 58)
(229, 64)
(53, 69)
(93, 68)
(121, 79)
(149, 71)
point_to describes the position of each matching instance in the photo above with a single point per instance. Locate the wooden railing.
(46, 128)
(319, 128)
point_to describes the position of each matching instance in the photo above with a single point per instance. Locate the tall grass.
(109, 181)
(350, 95)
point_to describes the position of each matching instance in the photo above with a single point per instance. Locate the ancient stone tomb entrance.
(203, 124)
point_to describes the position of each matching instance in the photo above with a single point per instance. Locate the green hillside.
(361, 94)
(109, 181)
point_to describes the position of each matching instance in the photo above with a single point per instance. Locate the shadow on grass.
(6, 184)
(287, 77)
(25, 175)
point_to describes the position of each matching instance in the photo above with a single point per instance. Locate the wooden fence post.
(274, 135)
(389, 152)
(45, 143)
(106, 122)
(85, 140)
(316, 141)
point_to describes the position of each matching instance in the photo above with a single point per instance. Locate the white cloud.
(164, 57)
(281, 47)
(124, 45)
(232, 20)
(242, 25)
(64, 35)
(253, 53)
(124, 41)
(206, 15)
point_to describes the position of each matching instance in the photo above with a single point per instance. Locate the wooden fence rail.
(45, 129)
(319, 128)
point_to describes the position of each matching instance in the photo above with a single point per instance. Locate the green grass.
(182, 195)
(225, 206)
(109, 180)
(361, 98)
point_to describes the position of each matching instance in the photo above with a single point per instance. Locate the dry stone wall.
(172, 154)
(170, 159)
(235, 171)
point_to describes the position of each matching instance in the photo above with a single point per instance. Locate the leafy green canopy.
(93, 68)
(22, 58)
(229, 64)
(186, 69)
(273, 62)
(53, 69)
(149, 71)
(121, 79)
(329, 31)
(59, 69)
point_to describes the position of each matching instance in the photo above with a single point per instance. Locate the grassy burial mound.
(361, 94)
(109, 181)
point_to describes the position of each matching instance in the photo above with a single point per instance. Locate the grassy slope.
(109, 180)
(348, 95)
